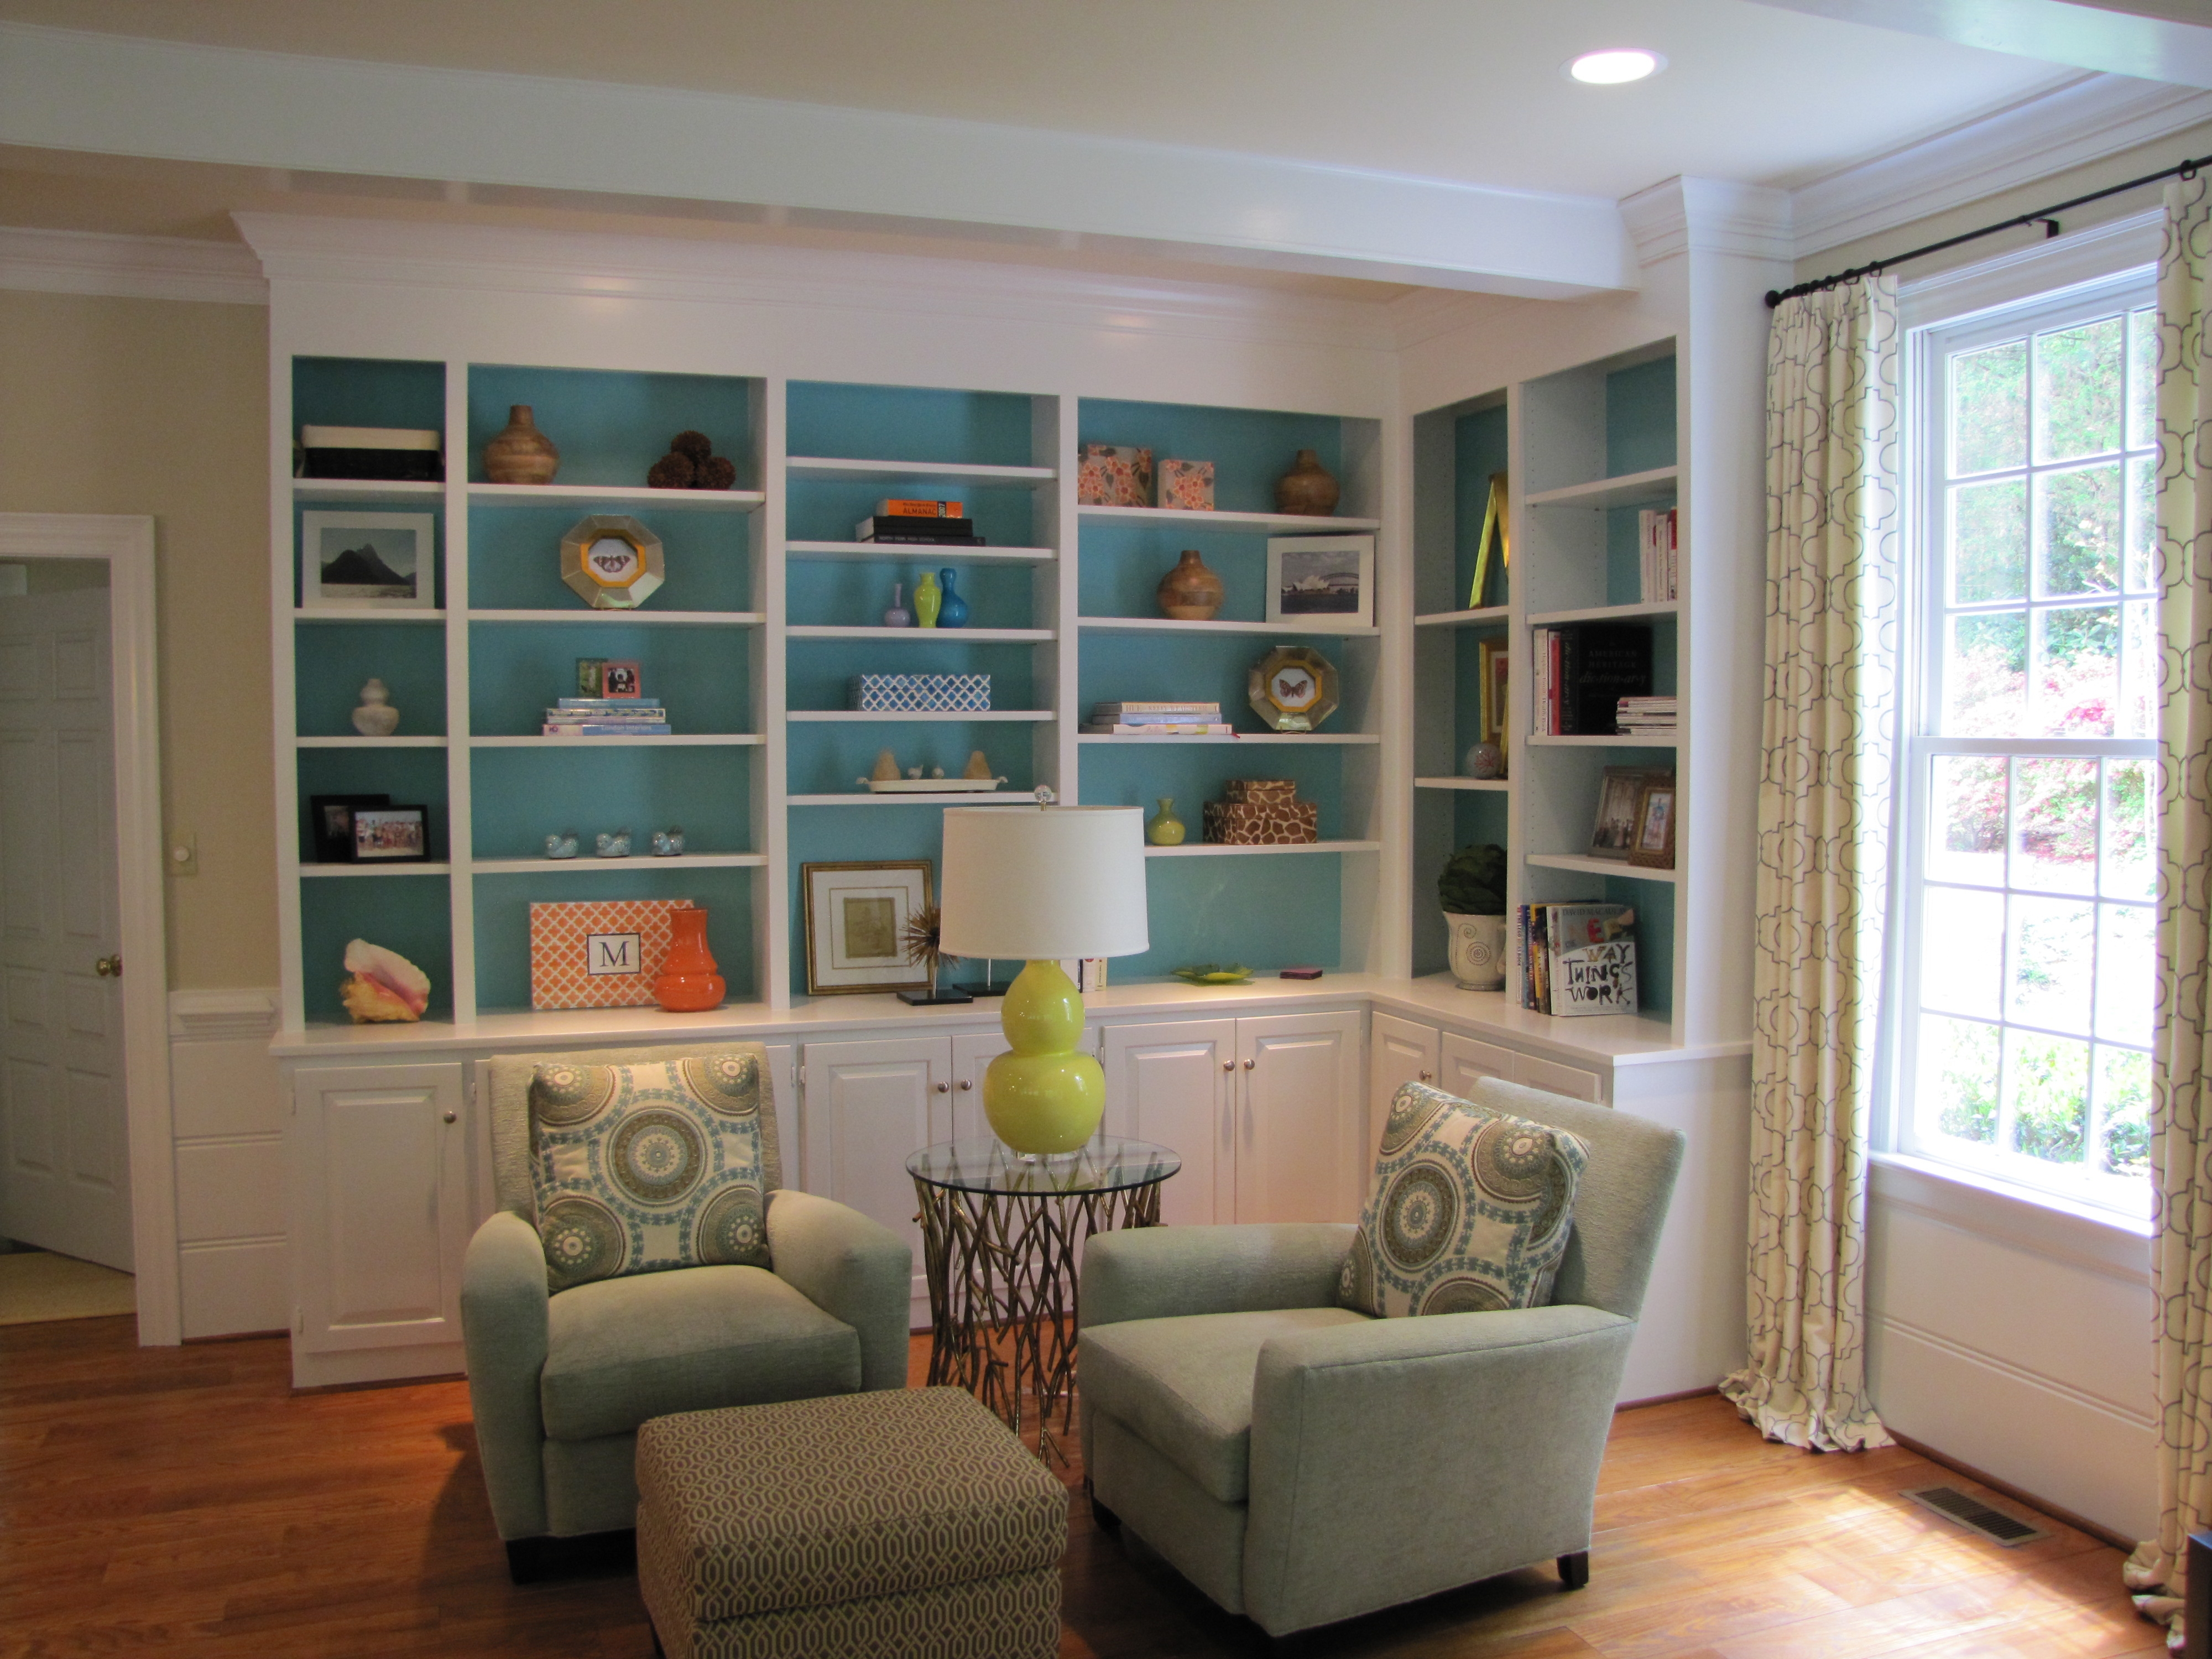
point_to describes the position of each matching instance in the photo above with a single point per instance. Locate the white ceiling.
(1464, 90)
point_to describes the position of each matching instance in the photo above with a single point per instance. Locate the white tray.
(930, 786)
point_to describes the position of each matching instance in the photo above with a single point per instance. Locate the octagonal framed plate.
(611, 562)
(1294, 688)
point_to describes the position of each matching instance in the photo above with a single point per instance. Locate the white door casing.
(64, 1181)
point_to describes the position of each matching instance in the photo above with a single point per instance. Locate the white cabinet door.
(381, 1209)
(1171, 1081)
(1399, 1052)
(1299, 1118)
(1559, 1080)
(868, 1106)
(1462, 1060)
(972, 1055)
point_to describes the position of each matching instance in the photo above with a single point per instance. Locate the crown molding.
(1708, 215)
(223, 1016)
(130, 267)
(2069, 126)
(499, 258)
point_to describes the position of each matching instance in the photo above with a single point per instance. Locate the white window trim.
(2119, 252)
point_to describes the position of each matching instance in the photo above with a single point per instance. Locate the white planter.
(1478, 952)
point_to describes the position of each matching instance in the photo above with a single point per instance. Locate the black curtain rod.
(2043, 216)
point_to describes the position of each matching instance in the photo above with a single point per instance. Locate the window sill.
(2044, 1222)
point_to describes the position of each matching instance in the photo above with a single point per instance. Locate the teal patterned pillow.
(1471, 1210)
(646, 1166)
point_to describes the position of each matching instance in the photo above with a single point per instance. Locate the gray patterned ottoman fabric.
(903, 1522)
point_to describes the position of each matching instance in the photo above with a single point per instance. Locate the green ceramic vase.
(928, 600)
(1163, 827)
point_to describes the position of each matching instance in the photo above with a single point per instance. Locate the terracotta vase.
(1190, 592)
(1308, 487)
(688, 982)
(520, 453)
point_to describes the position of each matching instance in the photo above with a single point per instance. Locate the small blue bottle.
(954, 611)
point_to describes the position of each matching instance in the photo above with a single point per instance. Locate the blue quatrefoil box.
(922, 694)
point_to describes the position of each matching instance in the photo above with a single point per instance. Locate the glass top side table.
(1001, 1236)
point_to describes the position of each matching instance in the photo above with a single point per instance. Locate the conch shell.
(385, 986)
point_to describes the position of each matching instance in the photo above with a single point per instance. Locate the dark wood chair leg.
(525, 1559)
(1574, 1570)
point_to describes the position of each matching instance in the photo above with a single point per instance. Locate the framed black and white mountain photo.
(368, 561)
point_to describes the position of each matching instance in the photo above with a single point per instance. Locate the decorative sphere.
(1484, 761)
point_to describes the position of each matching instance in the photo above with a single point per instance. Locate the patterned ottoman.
(898, 1524)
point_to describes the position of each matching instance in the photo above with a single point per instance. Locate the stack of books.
(1159, 720)
(606, 717)
(1646, 714)
(1577, 958)
(1658, 563)
(913, 523)
(1583, 673)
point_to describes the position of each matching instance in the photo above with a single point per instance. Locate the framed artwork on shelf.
(1654, 846)
(856, 923)
(1322, 584)
(369, 561)
(1619, 800)
(1493, 537)
(1491, 658)
(331, 818)
(390, 834)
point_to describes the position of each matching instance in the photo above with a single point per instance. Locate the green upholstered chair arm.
(503, 1324)
(1162, 1272)
(1398, 1458)
(852, 1268)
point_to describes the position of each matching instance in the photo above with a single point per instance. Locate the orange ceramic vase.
(688, 982)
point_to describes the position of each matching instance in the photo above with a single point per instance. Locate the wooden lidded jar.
(519, 453)
(1308, 488)
(1191, 591)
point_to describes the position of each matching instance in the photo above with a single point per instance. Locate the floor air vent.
(1974, 1515)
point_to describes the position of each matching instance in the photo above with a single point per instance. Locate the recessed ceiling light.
(1613, 67)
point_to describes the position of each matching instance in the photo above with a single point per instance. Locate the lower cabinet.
(382, 1208)
(1404, 1051)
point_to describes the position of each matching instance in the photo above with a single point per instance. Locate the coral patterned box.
(603, 954)
(1113, 476)
(1186, 485)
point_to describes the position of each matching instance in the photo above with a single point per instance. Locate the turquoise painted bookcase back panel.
(610, 425)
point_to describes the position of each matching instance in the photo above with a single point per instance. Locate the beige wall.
(161, 407)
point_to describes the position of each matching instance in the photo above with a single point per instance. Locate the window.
(2028, 796)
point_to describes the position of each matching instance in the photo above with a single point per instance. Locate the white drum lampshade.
(1036, 884)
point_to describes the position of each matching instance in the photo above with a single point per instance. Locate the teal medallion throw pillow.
(647, 1167)
(1470, 1212)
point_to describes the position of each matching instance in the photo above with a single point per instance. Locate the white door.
(869, 1105)
(1463, 1061)
(1399, 1052)
(1299, 1118)
(64, 1175)
(381, 1206)
(1171, 1081)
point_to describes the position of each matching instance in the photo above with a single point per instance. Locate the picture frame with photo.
(856, 921)
(1493, 659)
(368, 561)
(329, 824)
(390, 834)
(1619, 797)
(1653, 848)
(1322, 584)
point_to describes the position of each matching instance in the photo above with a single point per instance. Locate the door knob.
(966, 1083)
(452, 1117)
(945, 1088)
(109, 967)
(1428, 1076)
(1249, 1064)
(1228, 1065)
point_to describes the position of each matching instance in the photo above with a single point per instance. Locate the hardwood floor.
(184, 1501)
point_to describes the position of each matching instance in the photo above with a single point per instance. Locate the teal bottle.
(954, 611)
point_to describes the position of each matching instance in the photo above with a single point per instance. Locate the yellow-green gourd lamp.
(1043, 884)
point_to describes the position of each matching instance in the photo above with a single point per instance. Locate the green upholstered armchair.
(1302, 1463)
(559, 1383)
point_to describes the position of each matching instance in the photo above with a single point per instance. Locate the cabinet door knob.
(967, 1084)
(452, 1117)
(1228, 1065)
(1249, 1064)
(109, 967)
(1428, 1076)
(945, 1088)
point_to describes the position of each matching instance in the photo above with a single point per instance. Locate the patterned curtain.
(1824, 794)
(2181, 1105)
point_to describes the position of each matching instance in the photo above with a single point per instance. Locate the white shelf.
(353, 492)
(852, 715)
(1498, 784)
(1489, 613)
(917, 553)
(1239, 737)
(368, 742)
(1619, 740)
(397, 868)
(967, 797)
(588, 861)
(1629, 490)
(1607, 613)
(650, 740)
(367, 614)
(596, 617)
(819, 466)
(1169, 625)
(928, 636)
(1600, 867)
(1279, 523)
(1208, 849)
(616, 495)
